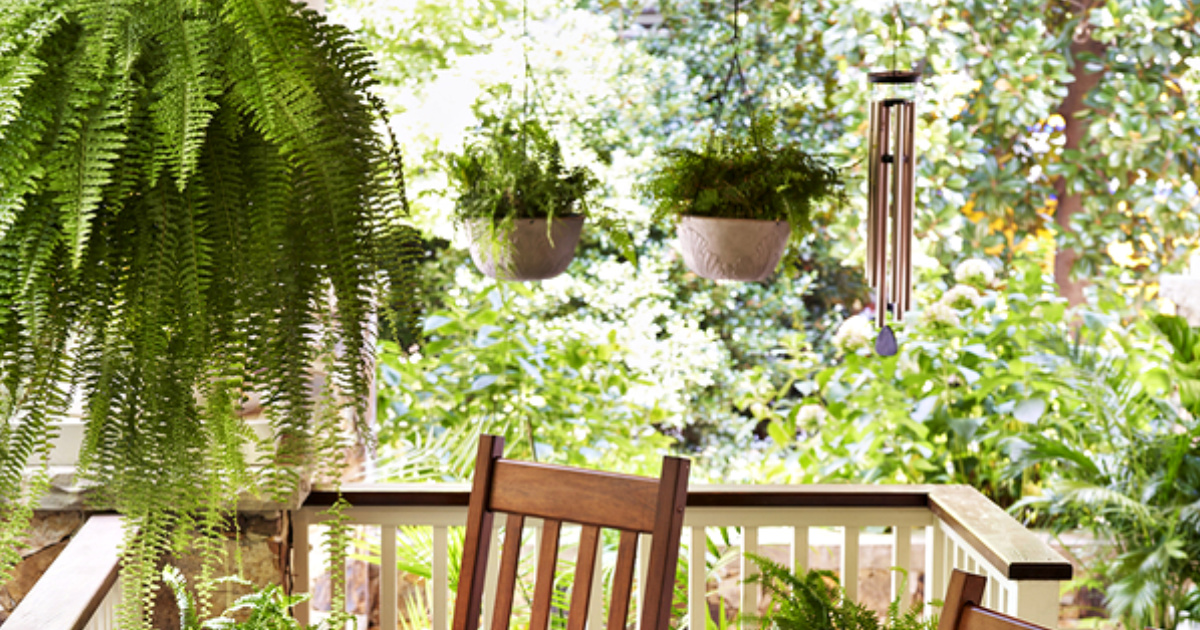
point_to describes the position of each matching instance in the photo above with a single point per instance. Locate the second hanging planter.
(529, 251)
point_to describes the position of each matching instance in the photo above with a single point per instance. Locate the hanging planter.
(530, 249)
(732, 249)
(740, 200)
(522, 207)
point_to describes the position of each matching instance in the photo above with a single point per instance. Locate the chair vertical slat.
(646, 544)
(596, 607)
(697, 578)
(664, 554)
(585, 573)
(800, 548)
(441, 578)
(749, 603)
(506, 579)
(902, 557)
(475, 546)
(547, 562)
(300, 551)
(489, 581)
(622, 583)
(849, 563)
(387, 577)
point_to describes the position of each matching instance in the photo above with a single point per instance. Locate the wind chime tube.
(897, 211)
(898, 226)
(873, 179)
(881, 218)
(909, 176)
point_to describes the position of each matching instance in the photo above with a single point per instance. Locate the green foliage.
(1185, 361)
(812, 600)
(486, 367)
(977, 376)
(193, 202)
(747, 176)
(1132, 478)
(268, 608)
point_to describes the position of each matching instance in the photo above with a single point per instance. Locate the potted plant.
(740, 198)
(197, 206)
(522, 207)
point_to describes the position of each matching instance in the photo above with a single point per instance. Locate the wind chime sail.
(891, 176)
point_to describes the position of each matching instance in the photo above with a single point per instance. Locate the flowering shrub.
(962, 296)
(975, 272)
(856, 333)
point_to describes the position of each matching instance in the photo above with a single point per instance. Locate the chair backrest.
(961, 609)
(594, 500)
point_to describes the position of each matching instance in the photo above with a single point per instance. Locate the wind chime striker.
(891, 176)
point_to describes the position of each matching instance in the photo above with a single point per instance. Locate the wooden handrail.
(996, 535)
(71, 590)
(1012, 549)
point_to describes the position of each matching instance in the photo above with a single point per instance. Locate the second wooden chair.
(962, 609)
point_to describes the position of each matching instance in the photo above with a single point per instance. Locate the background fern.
(194, 204)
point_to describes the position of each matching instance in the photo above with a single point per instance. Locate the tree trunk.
(1075, 132)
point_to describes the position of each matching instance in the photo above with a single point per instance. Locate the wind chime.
(891, 175)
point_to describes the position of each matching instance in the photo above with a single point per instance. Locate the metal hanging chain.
(525, 80)
(735, 65)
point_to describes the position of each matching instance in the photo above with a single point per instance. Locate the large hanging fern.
(193, 204)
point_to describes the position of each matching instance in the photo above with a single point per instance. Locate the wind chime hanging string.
(891, 177)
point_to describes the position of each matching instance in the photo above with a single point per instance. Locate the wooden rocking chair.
(557, 495)
(961, 610)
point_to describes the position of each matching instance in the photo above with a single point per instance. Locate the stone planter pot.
(732, 249)
(528, 253)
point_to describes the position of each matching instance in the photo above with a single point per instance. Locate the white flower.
(940, 313)
(961, 296)
(854, 333)
(810, 415)
(975, 272)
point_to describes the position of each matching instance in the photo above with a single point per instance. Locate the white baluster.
(800, 548)
(441, 577)
(643, 560)
(492, 575)
(596, 607)
(1037, 602)
(849, 562)
(750, 592)
(697, 582)
(902, 558)
(387, 577)
(935, 566)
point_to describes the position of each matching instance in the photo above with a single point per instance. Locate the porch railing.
(957, 526)
(81, 590)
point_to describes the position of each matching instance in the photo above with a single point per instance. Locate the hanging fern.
(194, 204)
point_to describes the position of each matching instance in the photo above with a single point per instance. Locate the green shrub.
(813, 600)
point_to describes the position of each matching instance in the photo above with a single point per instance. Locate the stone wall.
(256, 548)
(48, 535)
